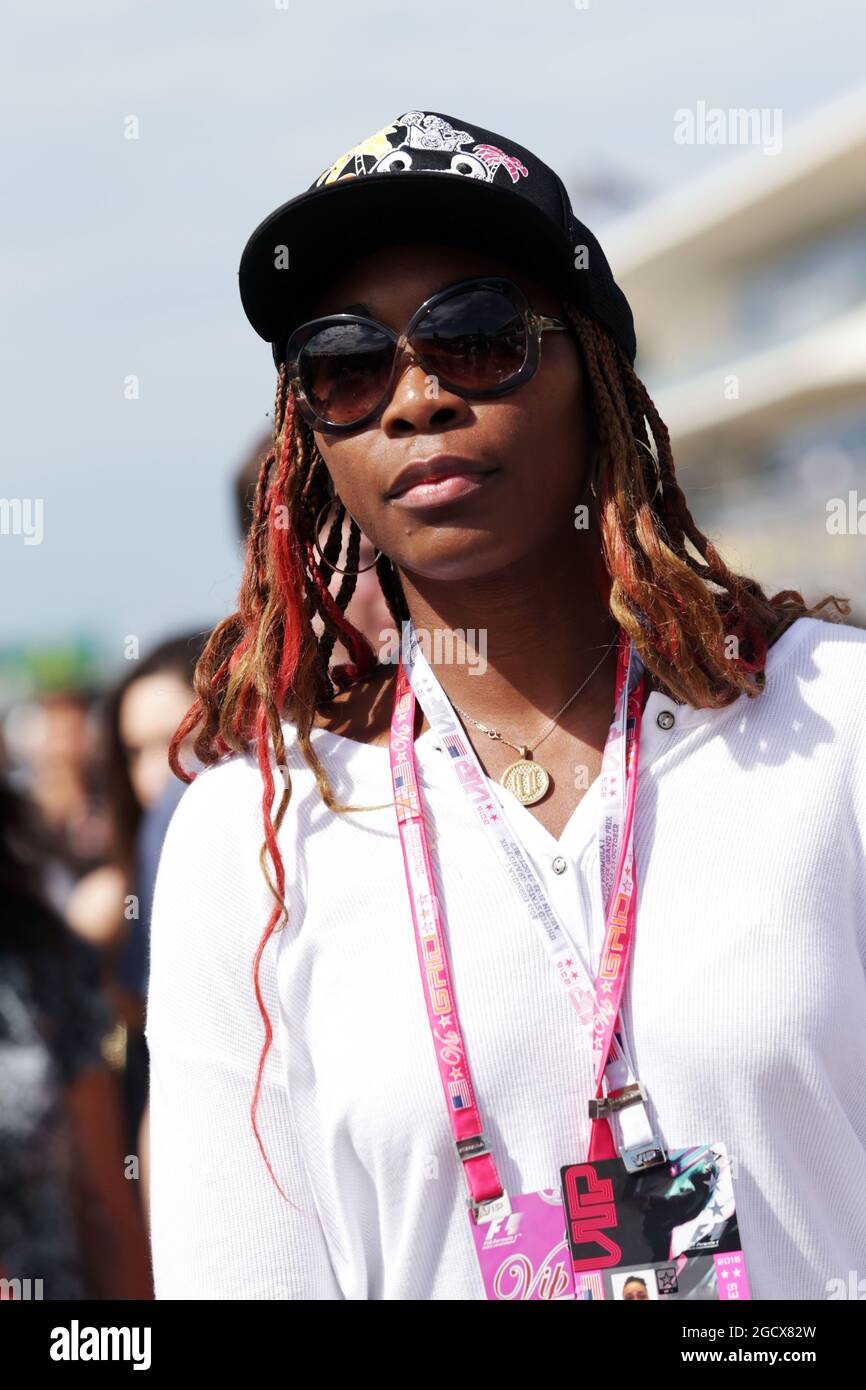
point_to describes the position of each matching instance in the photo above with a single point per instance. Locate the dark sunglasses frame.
(534, 324)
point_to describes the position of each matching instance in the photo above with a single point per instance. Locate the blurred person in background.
(68, 1215)
(110, 907)
(53, 741)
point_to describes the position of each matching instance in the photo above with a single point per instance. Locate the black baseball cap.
(447, 180)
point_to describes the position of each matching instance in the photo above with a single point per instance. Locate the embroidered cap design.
(421, 141)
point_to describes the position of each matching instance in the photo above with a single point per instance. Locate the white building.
(749, 292)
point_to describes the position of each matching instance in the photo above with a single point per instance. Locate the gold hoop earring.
(317, 548)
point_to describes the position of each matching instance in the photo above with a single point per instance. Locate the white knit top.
(746, 1005)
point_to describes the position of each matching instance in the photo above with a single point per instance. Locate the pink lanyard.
(618, 780)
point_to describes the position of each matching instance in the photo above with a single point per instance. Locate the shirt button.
(559, 865)
(665, 719)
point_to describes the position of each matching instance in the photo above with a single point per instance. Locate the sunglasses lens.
(475, 340)
(344, 370)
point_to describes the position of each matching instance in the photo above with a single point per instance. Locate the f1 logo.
(503, 1226)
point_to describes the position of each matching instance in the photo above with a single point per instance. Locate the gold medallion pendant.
(527, 779)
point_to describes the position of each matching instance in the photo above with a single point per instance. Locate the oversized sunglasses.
(478, 338)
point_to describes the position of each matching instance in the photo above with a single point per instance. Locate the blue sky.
(121, 256)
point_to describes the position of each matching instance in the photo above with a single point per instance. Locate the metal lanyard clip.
(489, 1210)
(636, 1157)
(472, 1147)
(642, 1156)
(490, 1207)
(602, 1107)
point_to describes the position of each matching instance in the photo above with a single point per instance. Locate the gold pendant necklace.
(526, 778)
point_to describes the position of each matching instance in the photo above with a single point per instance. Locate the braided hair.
(701, 629)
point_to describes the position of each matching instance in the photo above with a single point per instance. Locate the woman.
(634, 1289)
(139, 717)
(70, 1224)
(309, 1140)
(140, 714)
